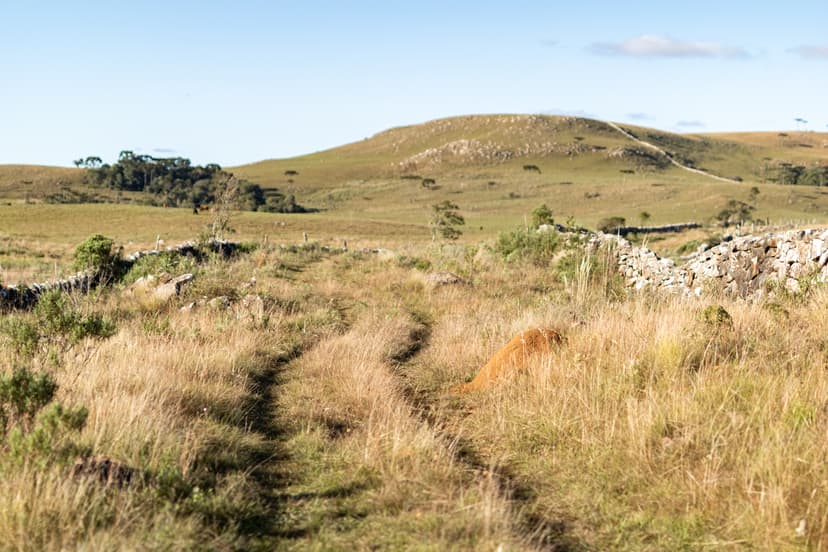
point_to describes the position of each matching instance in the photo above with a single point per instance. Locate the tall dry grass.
(169, 398)
(650, 428)
(419, 489)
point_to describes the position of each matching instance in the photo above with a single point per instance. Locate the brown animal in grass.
(512, 357)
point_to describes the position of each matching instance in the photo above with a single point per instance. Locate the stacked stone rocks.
(747, 266)
(25, 296)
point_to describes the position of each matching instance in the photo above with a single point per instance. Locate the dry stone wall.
(25, 296)
(746, 266)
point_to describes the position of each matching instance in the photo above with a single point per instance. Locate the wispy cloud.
(163, 150)
(690, 124)
(652, 46)
(809, 51)
(549, 43)
(640, 116)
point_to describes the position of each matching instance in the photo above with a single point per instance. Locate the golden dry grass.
(646, 428)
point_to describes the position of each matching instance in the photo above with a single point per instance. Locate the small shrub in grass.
(168, 261)
(716, 317)
(413, 262)
(22, 335)
(57, 317)
(542, 215)
(32, 427)
(55, 320)
(688, 247)
(96, 253)
(528, 245)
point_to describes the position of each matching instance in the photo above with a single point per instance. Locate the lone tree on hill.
(643, 216)
(444, 221)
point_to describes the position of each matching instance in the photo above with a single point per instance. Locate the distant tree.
(176, 182)
(532, 168)
(291, 172)
(788, 173)
(542, 215)
(814, 176)
(444, 221)
(735, 212)
(753, 195)
(643, 216)
(428, 183)
(93, 162)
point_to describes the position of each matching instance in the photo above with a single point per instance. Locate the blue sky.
(236, 82)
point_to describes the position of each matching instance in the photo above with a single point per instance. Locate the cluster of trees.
(799, 175)
(176, 182)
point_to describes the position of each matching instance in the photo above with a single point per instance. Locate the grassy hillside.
(37, 180)
(588, 171)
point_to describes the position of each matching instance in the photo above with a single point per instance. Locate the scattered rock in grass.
(142, 285)
(107, 471)
(512, 358)
(172, 287)
(251, 306)
(222, 302)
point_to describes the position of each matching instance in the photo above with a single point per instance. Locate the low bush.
(96, 254)
(32, 428)
(528, 245)
(413, 262)
(53, 320)
(168, 261)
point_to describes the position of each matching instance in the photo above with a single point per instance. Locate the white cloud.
(640, 116)
(690, 124)
(659, 46)
(808, 51)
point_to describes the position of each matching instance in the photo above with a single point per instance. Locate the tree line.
(176, 182)
(799, 175)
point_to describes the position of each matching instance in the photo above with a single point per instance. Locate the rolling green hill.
(37, 180)
(586, 170)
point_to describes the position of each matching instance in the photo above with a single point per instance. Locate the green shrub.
(413, 262)
(528, 245)
(168, 261)
(542, 215)
(688, 247)
(716, 317)
(22, 334)
(54, 313)
(445, 221)
(58, 318)
(96, 254)
(32, 428)
(22, 395)
(53, 320)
